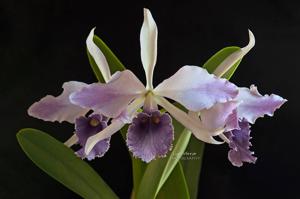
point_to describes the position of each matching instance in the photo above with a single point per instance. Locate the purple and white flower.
(236, 116)
(151, 134)
(215, 106)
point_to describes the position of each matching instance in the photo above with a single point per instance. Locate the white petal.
(234, 57)
(105, 133)
(148, 39)
(98, 56)
(196, 89)
(71, 141)
(191, 123)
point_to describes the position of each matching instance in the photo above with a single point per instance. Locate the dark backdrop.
(42, 45)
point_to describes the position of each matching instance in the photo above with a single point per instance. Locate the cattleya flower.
(151, 133)
(236, 115)
(216, 106)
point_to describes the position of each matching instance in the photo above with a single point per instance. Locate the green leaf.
(62, 164)
(192, 168)
(158, 171)
(113, 62)
(213, 62)
(175, 186)
(192, 165)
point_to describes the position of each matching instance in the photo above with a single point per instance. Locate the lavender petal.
(150, 135)
(254, 105)
(239, 145)
(59, 108)
(220, 115)
(196, 89)
(112, 98)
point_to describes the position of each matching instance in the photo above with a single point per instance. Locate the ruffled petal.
(240, 144)
(112, 98)
(235, 57)
(87, 127)
(148, 39)
(221, 115)
(59, 108)
(116, 124)
(150, 135)
(98, 56)
(254, 105)
(196, 89)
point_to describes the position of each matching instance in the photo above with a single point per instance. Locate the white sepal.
(98, 56)
(235, 57)
(148, 39)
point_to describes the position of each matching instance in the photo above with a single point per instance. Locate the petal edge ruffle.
(59, 108)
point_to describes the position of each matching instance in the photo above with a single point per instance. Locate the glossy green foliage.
(62, 164)
(175, 186)
(192, 165)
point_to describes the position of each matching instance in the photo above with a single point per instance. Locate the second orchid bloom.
(215, 106)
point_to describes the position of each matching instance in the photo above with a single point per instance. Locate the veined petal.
(254, 105)
(98, 56)
(115, 125)
(59, 108)
(196, 89)
(234, 57)
(112, 98)
(191, 123)
(150, 135)
(86, 127)
(148, 39)
(220, 115)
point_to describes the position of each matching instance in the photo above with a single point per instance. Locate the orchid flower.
(60, 109)
(215, 106)
(235, 116)
(151, 133)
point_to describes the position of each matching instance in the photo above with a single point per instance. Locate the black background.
(42, 45)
